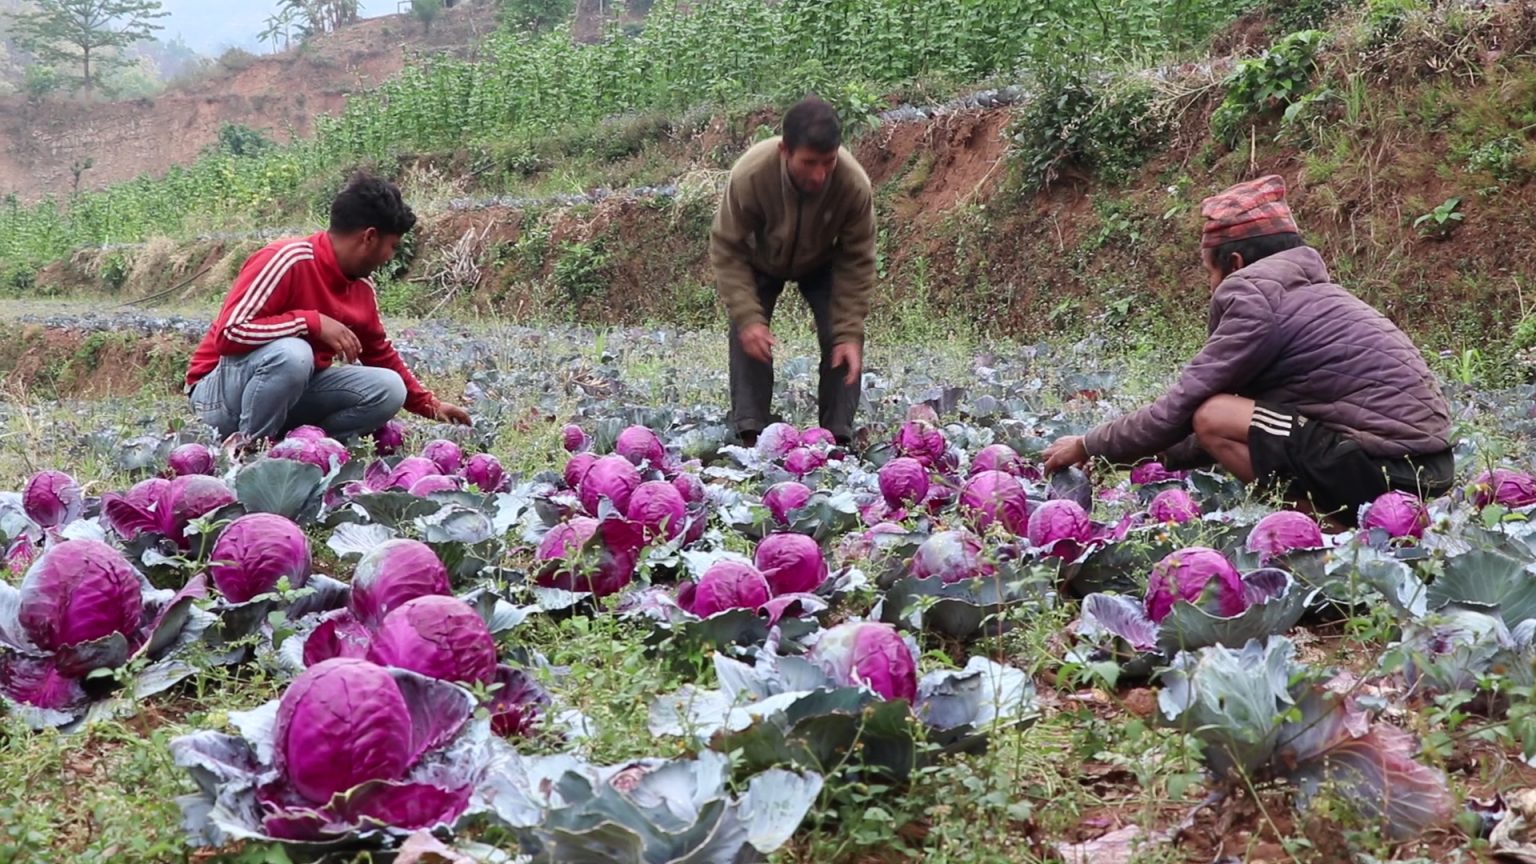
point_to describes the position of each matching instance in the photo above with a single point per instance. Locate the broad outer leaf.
(352, 538)
(1377, 773)
(1487, 578)
(283, 486)
(1117, 616)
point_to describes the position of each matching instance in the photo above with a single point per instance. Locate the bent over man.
(300, 311)
(797, 208)
(1299, 383)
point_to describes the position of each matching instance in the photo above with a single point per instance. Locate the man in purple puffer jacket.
(1300, 382)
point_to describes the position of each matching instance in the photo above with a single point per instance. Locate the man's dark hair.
(1254, 249)
(813, 123)
(371, 202)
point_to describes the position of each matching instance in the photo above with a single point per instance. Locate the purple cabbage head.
(433, 484)
(323, 453)
(573, 439)
(803, 460)
(777, 440)
(792, 563)
(991, 497)
(446, 455)
(921, 441)
(191, 497)
(659, 509)
(1154, 472)
(952, 556)
(485, 471)
(192, 459)
(52, 498)
(1284, 531)
(1198, 575)
(1505, 488)
(613, 477)
(1061, 521)
(782, 499)
(725, 585)
(393, 573)
(690, 488)
(1400, 514)
(79, 591)
(567, 567)
(576, 469)
(410, 470)
(342, 723)
(1173, 506)
(997, 457)
(868, 653)
(641, 446)
(817, 437)
(903, 482)
(389, 439)
(306, 433)
(436, 636)
(254, 552)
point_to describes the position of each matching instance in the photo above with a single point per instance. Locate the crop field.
(665, 648)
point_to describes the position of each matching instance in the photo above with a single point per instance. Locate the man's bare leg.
(1221, 426)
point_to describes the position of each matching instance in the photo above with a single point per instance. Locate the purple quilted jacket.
(1281, 332)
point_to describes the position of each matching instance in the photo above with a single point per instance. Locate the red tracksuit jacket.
(282, 291)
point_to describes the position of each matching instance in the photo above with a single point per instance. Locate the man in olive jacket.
(797, 208)
(1299, 381)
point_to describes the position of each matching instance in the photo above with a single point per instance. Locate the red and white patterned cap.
(1256, 208)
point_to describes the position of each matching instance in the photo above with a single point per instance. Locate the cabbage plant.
(80, 615)
(649, 811)
(789, 711)
(1262, 716)
(350, 752)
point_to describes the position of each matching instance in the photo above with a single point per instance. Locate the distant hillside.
(277, 95)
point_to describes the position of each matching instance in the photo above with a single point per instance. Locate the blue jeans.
(276, 388)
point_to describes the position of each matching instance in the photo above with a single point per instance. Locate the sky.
(212, 26)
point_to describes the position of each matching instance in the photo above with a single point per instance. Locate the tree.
(90, 34)
(279, 30)
(534, 15)
(426, 11)
(323, 16)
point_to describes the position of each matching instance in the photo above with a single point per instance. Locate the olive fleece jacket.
(764, 224)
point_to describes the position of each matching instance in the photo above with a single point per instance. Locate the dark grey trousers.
(752, 380)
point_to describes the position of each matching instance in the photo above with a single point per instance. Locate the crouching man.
(301, 310)
(1300, 383)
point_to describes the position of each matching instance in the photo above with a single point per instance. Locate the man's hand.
(850, 355)
(1067, 452)
(340, 339)
(757, 340)
(447, 413)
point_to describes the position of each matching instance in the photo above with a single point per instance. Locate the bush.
(1267, 84)
(237, 139)
(1106, 129)
(581, 272)
(1292, 15)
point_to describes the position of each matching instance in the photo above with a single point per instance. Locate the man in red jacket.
(301, 312)
(1300, 382)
